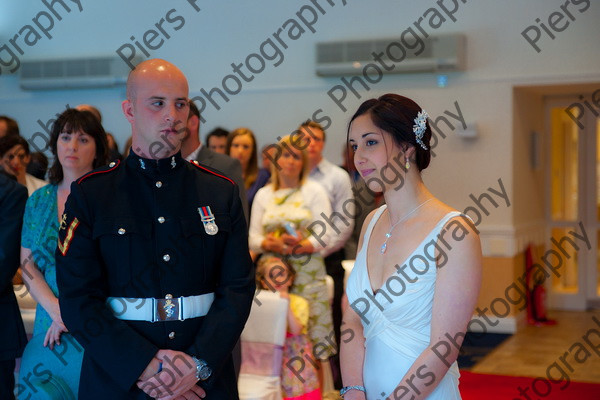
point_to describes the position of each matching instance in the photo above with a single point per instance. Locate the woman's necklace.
(389, 234)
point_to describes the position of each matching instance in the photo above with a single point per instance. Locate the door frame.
(587, 266)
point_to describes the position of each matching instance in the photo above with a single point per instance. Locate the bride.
(417, 274)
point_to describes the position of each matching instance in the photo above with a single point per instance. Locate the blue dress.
(40, 235)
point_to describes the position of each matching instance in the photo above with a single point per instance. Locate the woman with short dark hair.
(78, 143)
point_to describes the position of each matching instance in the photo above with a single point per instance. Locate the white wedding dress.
(396, 335)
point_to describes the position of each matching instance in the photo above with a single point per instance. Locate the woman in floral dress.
(283, 213)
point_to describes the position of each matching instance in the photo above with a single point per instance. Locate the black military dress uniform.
(134, 230)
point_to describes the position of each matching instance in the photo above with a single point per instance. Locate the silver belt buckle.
(168, 309)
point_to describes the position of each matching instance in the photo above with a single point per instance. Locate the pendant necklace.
(389, 234)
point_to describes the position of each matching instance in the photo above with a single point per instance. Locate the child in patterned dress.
(298, 383)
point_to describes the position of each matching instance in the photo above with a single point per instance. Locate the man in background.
(216, 140)
(113, 148)
(8, 126)
(193, 149)
(12, 335)
(89, 108)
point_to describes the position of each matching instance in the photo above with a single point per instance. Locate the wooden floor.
(532, 351)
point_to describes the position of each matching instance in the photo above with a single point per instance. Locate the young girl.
(274, 274)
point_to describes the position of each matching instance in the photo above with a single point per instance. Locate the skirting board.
(508, 324)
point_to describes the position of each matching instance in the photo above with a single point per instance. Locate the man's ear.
(127, 107)
(194, 124)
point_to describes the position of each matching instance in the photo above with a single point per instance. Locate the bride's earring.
(407, 164)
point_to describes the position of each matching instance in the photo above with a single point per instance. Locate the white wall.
(280, 97)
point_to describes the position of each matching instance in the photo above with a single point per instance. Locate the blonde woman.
(283, 214)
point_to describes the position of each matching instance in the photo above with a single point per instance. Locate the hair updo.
(396, 115)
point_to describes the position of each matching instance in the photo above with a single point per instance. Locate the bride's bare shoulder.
(365, 224)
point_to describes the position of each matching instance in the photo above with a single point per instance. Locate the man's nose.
(170, 113)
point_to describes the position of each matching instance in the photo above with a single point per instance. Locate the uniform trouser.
(333, 266)
(7, 379)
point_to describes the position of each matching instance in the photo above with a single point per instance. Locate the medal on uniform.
(208, 219)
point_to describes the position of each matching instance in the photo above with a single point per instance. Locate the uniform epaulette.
(101, 170)
(203, 168)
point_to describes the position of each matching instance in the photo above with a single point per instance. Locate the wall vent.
(441, 54)
(76, 73)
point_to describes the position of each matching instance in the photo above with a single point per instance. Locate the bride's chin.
(375, 185)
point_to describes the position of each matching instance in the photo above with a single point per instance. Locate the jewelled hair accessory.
(420, 126)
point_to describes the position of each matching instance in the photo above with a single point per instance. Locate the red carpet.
(499, 387)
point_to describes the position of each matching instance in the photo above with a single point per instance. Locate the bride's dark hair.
(396, 115)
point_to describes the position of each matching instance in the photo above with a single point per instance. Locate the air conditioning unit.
(76, 73)
(440, 54)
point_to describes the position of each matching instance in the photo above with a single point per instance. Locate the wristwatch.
(203, 371)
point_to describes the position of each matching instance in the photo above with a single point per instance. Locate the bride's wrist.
(353, 392)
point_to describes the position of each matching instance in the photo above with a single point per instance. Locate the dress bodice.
(396, 319)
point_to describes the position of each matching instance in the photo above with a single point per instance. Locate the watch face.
(204, 372)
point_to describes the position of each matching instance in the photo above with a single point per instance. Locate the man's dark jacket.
(134, 230)
(230, 167)
(13, 197)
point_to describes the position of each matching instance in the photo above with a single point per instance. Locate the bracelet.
(346, 389)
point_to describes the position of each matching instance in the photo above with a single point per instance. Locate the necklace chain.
(389, 234)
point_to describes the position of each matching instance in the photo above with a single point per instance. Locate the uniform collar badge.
(208, 219)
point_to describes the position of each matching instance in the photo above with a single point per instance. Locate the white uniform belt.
(168, 309)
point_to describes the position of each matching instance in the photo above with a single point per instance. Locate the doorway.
(573, 205)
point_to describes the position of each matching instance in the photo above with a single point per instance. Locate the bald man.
(153, 266)
(95, 112)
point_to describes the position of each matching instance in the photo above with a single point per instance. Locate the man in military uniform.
(153, 266)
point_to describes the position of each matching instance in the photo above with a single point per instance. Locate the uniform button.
(122, 231)
(161, 219)
(172, 335)
(166, 257)
(158, 184)
(112, 164)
